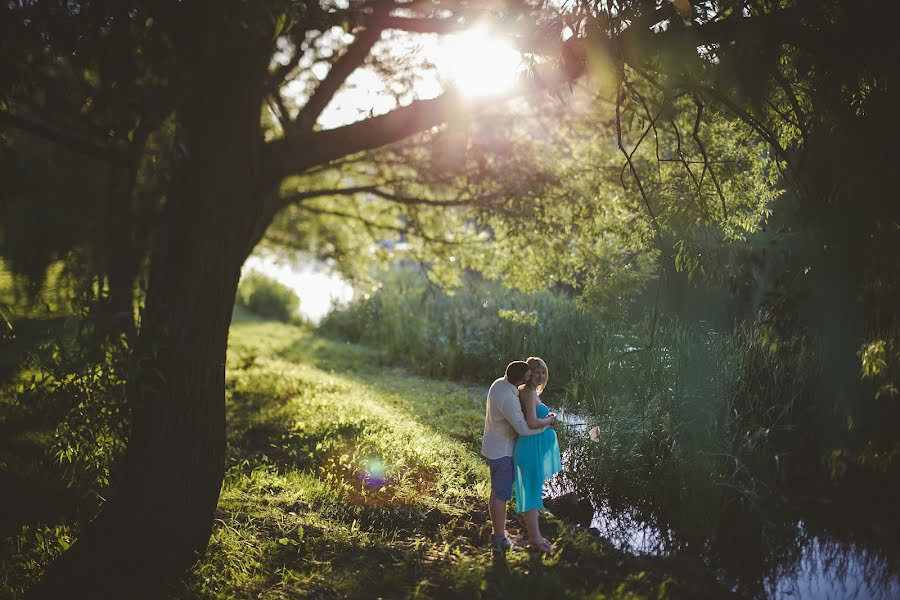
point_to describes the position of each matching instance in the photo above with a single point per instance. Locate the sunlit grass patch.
(344, 463)
(347, 478)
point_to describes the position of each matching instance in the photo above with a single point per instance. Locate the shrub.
(468, 335)
(267, 297)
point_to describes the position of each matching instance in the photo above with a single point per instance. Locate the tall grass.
(469, 335)
(699, 425)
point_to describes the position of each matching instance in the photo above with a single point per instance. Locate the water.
(823, 569)
(829, 570)
(318, 287)
(799, 561)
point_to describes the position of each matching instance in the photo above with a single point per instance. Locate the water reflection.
(775, 554)
(627, 533)
(830, 569)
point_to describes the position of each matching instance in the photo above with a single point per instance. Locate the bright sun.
(478, 63)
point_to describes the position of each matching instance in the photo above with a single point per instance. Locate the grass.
(349, 479)
(345, 479)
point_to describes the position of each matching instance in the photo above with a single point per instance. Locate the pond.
(804, 550)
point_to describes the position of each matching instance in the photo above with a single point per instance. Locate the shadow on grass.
(32, 487)
(32, 484)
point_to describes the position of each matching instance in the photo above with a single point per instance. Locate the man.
(503, 422)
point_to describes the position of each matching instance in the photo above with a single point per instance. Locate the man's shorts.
(501, 476)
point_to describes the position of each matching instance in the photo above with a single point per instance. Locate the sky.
(476, 62)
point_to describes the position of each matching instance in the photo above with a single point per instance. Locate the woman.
(536, 457)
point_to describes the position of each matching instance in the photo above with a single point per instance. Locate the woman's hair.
(532, 362)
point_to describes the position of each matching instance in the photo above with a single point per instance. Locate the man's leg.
(497, 509)
(501, 492)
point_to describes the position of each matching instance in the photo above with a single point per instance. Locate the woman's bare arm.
(528, 398)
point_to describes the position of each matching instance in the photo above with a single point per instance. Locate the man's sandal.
(501, 543)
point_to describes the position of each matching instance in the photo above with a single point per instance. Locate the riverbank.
(348, 479)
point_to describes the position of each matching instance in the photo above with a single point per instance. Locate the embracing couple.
(521, 448)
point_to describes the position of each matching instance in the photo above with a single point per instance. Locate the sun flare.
(478, 63)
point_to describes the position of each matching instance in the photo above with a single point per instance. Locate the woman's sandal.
(542, 546)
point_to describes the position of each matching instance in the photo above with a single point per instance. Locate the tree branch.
(288, 156)
(346, 215)
(650, 127)
(348, 62)
(422, 24)
(375, 190)
(706, 164)
(792, 100)
(698, 197)
(760, 128)
(637, 178)
(786, 25)
(370, 224)
(73, 143)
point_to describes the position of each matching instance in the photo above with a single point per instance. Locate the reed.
(469, 335)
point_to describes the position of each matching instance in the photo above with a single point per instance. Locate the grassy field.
(348, 479)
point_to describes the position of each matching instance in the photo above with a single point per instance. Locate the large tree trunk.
(160, 517)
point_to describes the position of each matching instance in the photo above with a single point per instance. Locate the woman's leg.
(531, 524)
(535, 539)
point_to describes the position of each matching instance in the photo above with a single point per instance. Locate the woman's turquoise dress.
(536, 459)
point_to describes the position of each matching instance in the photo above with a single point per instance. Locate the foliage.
(880, 362)
(471, 334)
(503, 209)
(71, 376)
(64, 423)
(810, 81)
(267, 297)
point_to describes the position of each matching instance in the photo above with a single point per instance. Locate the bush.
(267, 297)
(471, 334)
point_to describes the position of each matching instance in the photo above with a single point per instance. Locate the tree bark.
(159, 520)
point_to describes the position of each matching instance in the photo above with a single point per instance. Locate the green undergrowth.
(347, 479)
